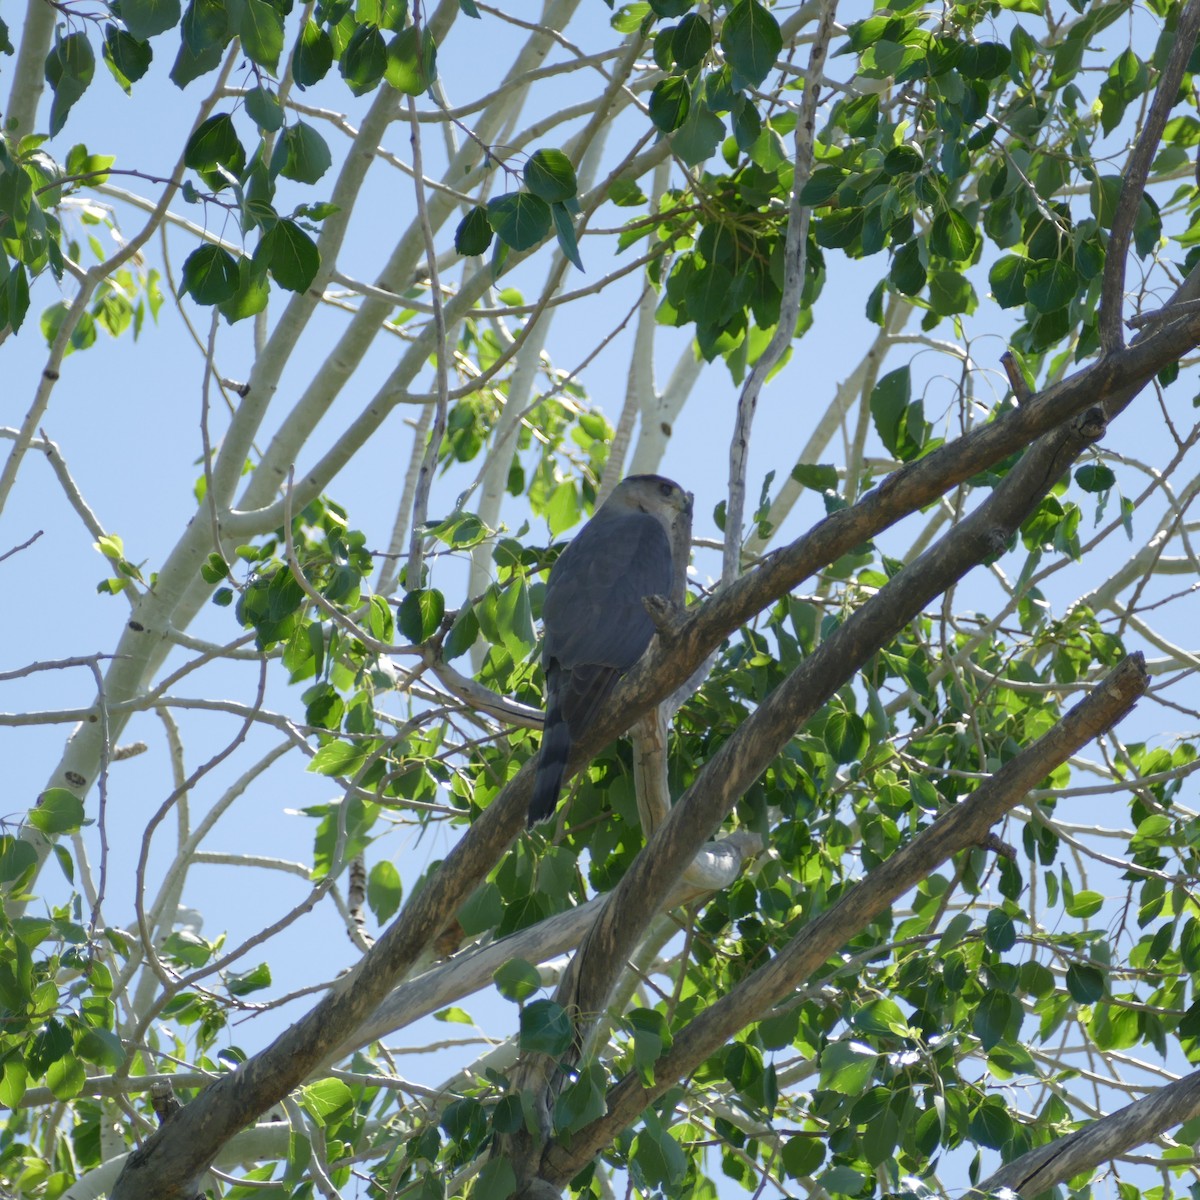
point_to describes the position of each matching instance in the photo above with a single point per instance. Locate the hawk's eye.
(665, 488)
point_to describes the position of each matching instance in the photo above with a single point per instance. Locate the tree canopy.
(887, 892)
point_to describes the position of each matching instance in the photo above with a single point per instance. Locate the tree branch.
(1038, 1171)
(795, 262)
(1133, 178)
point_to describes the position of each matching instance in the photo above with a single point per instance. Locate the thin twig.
(796, 258)
(23, 546)
(102, 805)
(166, 806)
(209, 370)
(420, 514)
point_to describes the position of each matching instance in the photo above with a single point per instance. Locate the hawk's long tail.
(556, 749)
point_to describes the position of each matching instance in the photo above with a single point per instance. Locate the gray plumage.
(596, 626)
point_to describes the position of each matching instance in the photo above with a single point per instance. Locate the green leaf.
(889, 406)
(994, 1013)
(66, 1076)
(326, 1100)
(747, 127)
(1095, 477)
(290, 255)
(412, 61)
(145, 18)
(517, 979)
(210, 275)
(251, 295)
(57, 811)
(1127, 79)
(907, 272)
(519, 219)
(14, 297)
(483, 910)
(562, 507)
(13, 1077)
(564, 229)
(952, 236)
(127, 58)
(17, 859)
(364, 60)
(206, 33)
(657, 1156)
(984, 60)
(70, 66)
(951, 292)
(474, 234)
(420, 614)
(300, 154)
(751, 40)
(214, 569)
(802, 1155)
(904, 159)
(582, 1101)
(1104, 193)
(496, 1181)
(215, 144)
(380, 620)
(1085, 983)
(999, 930)
(95, 166)
(384, 890)
(669, 103)
(387, 14)
(313, 55)
(242, 983)
(847, 1067)
(515, 619)
(338, 758)
(1084, 904)
(991, 1125)
(1013, 1059)
(1007, 280)
(1051, 284)
(845, 735)
(880, 1017)
(697, 139)
(550, 175)
(261, 31)
(264, 109)
(462, 636)
(820, 477)
(545, 1028)
(691, 41)
(625, 193)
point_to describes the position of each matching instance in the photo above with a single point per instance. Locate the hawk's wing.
(593, 612)
(596, 625)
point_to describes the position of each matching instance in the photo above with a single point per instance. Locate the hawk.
(595, 624)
